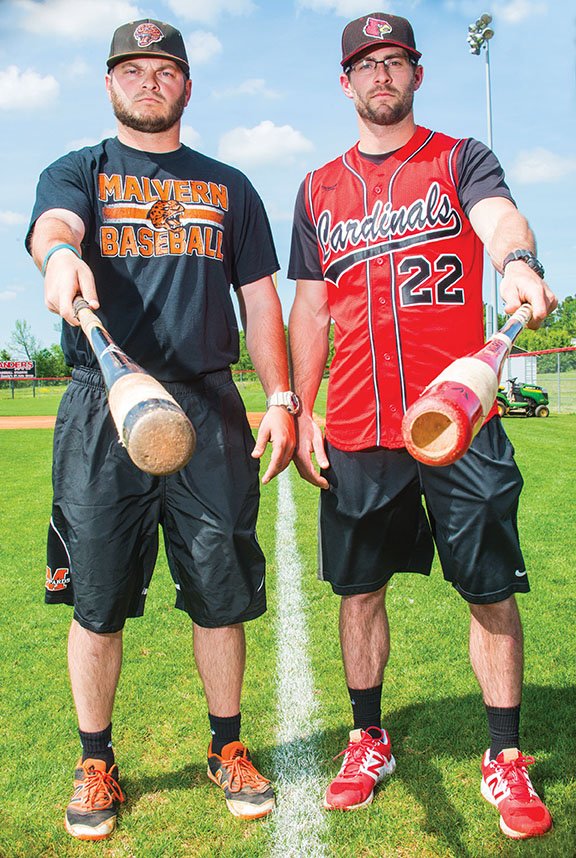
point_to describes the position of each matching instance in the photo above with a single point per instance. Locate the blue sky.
(266, 98)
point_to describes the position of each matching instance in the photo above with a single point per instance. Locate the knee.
(364, 603)
(498, 617)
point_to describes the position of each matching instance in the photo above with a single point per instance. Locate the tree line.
(558, 330)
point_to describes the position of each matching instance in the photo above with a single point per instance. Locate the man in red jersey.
(388, 242)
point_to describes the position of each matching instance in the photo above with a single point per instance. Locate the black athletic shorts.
(103, 534)
(373, 522)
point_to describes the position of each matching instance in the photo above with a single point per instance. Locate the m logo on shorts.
(58, 580)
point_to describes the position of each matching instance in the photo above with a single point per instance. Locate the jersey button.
(386, 356)
(378, 189)
(382, 300)
(379, 261)
(393, 409)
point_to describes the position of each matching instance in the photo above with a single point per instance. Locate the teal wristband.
(53, 250)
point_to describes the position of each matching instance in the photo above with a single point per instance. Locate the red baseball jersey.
(403, 268)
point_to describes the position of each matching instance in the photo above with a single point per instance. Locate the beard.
(153, 123)
(389, 113)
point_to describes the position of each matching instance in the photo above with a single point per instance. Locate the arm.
(502, 229)
(261, 316)
(308, 330)
(66, 275)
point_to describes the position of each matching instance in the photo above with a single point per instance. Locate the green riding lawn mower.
(515, 397)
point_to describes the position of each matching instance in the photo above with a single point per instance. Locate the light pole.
(479, 35)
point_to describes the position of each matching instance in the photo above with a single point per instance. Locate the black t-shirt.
(166, 236)
(480, 176)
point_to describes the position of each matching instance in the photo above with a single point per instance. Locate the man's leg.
(496, 653)
(221, 658)
(94, 663)
(364, 638)
(365, 644)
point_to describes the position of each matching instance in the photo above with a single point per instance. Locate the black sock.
(366, 704)
(504, 727)
(224, 731)
(98, 746)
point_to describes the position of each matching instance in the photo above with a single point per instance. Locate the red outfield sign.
(17, 369)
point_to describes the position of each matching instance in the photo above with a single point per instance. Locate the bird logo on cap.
(377, 28)
(146, 34)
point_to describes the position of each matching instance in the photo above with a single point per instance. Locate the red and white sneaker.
(367, 761)
(506, 785)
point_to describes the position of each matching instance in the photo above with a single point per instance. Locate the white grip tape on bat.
(475, 374)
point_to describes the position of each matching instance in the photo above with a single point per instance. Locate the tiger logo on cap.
(146, 34)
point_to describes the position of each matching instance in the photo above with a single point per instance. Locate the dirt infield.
(254, 418)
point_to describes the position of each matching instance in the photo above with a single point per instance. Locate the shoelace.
(99, 789)
(243, 773)
(516, 776)
(357, 752)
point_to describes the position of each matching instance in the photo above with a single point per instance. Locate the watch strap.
(525, 256)
(285, 398)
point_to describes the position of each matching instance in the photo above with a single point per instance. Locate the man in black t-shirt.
(152, 235)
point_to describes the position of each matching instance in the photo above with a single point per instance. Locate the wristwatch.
(525, 256)
(287, 399)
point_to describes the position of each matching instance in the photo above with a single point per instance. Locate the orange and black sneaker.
(93, 808)
(248, 794)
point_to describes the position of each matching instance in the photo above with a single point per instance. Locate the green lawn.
(432, 706)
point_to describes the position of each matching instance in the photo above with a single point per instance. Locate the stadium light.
(479, 35)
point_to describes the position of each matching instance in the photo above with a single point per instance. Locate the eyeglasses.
(393, 65)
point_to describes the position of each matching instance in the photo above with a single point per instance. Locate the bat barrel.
(438, 428)
(157, 434)
(159, 437)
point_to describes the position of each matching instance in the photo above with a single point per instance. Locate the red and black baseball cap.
(376, 30)
(148, 38)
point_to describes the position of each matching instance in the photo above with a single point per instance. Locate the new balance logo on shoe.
(506, 785)
(367, 761)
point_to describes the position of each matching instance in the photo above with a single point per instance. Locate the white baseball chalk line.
(299, 822)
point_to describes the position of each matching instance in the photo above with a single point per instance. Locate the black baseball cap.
(376, 30)
(148, 38)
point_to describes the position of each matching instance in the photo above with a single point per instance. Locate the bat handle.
(79, 303)
(516, 323)
(85, 315)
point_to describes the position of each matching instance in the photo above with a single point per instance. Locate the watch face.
(294, 406)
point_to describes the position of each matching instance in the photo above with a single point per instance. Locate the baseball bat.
(439, 426)
(157, 434)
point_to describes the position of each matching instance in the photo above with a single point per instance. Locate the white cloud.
(81, 142)
(264, 144)
(209, 11)
(512, 11)
(189, 136)
(518, 10)
(8, 295)
(253, 86)
(77, 68)
(88, 19)
(202, 47)
(537, 166)
(22, 90)
(8, 218)
(344, 8)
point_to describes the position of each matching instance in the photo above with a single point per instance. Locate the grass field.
(432, 706)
